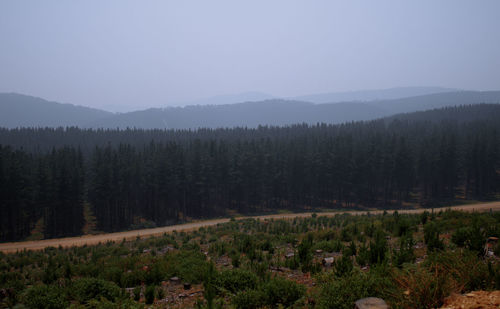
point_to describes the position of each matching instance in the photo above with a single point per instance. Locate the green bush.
(45, 297)
(460, 236)
(324, 245)
(112, 273)
(131, 279)
(463, 266)
(251, 299)
(405, 253)
(191, 266)
(431, 237)
(378, 248)
(103, 303)
(343, 292)
(343, 266)
(363, 256)
(277, 291)
(282, 291)
(86, 289)
(472, 238)
(150, 294)
(427, 287)
(236, 280)
(137, 293)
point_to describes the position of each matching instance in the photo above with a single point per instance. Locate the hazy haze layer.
(129, 55)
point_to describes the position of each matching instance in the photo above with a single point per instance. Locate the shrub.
(431, 237)
(363, 257)
(427, 287)
(235, 258)
(236, 280)
(150, 294)
(473, 238)
(343, 292)
(324, 245)
(405, 253)
(378, 248)
(343, 266)
(130, 279)
(465, 267)
(251, 299)
(86, 289)
(45, 296)
(160, 292)
(191, 266)
(460, 236)
(103, 303)
(112, 273)
(282, 291)
(277, 291)
(137, 293)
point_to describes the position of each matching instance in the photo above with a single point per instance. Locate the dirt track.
(95, 239)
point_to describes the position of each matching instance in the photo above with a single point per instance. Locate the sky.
(126, 55)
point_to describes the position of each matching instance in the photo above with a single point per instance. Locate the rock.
(328, 261)
(371, 303)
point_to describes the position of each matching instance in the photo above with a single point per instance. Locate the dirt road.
(95, 239)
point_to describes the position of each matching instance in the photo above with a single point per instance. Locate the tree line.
(162, 177)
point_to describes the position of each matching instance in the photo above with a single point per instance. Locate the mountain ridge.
(18, 110)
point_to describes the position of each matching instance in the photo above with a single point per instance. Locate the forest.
(57, 182)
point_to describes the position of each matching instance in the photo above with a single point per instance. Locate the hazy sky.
(123, 55)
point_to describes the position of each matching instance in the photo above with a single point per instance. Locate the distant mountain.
(285, 112)
(372, 95)
(248, 114)
(461, 113)
(251, 96)
(17, 110)
(437, 100)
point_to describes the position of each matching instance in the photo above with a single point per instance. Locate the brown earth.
(477, 299)
(118, 236)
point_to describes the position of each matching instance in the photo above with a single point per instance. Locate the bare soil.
(477, 299)
(128, 235)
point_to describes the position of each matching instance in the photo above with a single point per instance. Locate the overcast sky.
(122, 55)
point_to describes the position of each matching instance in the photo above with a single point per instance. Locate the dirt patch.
(478, 299)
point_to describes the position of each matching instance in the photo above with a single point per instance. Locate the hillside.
(372, 95)
(17, 110)
(437, 100)
(24, 111)
(461, 113)
(286, 112)
(248, 114)
(303, 261)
